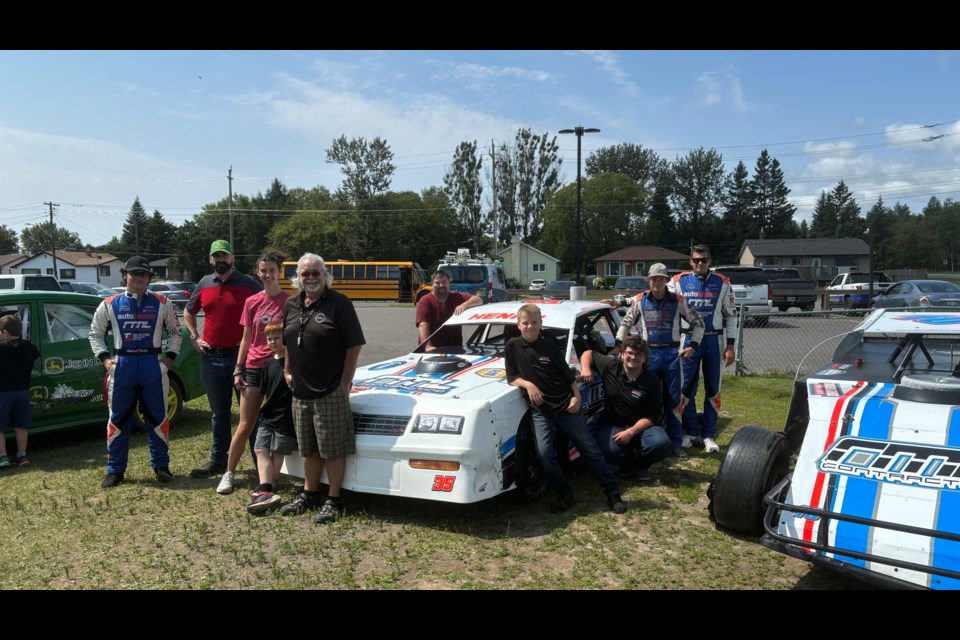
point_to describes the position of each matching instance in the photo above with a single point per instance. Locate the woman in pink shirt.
(258, 311)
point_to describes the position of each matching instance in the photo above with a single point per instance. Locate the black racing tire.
(847, 302)
(756, 459)
(174, 406)
(531, 479)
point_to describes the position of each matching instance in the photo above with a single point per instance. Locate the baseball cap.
(220, 245)
(137, 263)
(657, 269)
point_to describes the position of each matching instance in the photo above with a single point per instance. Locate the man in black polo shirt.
(628, 434)
(323, 338)
(536, 365)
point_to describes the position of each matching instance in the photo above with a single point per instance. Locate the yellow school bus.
(392, 281)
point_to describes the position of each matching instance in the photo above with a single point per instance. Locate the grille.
(380, 425)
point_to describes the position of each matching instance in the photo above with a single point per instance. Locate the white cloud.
(610, 64)
(720, 87)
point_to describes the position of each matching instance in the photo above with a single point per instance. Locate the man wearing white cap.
(657, 313)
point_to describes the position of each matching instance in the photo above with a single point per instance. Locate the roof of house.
(509, 248)
(82, 258)
(806, 247)
(645, 253)
(12, 258)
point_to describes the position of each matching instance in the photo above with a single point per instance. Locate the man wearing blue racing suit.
(657, 313)
(137, 371)
(710, 295)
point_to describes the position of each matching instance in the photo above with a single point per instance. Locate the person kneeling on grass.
(275, 434)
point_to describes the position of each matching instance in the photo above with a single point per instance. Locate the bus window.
(348, 272)
(381, 272)
(336, 270)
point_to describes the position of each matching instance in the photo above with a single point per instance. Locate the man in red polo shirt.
(221, 296)
(437, 307)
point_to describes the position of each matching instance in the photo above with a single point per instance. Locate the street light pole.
(579, 131)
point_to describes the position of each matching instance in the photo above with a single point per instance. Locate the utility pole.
(493, 197)
(579, 131)
(230, 201)
(53, 238)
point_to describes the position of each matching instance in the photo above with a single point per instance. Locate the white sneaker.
(226, 484)
(689, 441)
(711, 445)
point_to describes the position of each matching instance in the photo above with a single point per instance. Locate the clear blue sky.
(93, 130)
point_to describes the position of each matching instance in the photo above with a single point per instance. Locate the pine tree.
(134, 234)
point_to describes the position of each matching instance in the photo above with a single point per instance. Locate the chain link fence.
(790, 343)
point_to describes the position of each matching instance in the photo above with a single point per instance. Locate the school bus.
(392, 281)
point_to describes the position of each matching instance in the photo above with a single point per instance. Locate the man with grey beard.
(323, 338)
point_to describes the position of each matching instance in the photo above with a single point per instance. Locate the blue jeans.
(217, 372)
(575, 426)
(650, 447)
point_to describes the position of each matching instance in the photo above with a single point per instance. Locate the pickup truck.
(852, 289)
(791, 289)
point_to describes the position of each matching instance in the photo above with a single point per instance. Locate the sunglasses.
(700, 260)
(311, 274)
(139, 274)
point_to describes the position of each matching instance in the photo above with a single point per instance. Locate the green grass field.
(62, 531)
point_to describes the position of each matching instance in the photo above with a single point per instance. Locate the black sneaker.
(679, 454)
(616, 504)
(562, 504)
(163, 475)
(112, 480)
(330, 511)
(210, 469)
(641, 474)
(302, 504)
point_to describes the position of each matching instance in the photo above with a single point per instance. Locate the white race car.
(445, 425)
(874, 490)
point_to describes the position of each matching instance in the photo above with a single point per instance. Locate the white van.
(28, 282)
(480, 276)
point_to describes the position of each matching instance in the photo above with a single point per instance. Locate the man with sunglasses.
(323, 338)
(137, 369)
(710, 295)
(221, 295)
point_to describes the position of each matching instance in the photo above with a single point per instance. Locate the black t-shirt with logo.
(317, 339)
(627, 401)
(275, 414)
(541, 363)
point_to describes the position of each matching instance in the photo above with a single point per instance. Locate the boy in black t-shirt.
(275, 434)
(17, 357)
(535, 365)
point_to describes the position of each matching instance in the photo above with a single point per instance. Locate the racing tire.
(756, 460)
(174, 407)
(847, 302)
(531, 479)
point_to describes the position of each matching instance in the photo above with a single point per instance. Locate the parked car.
(177, 292)
(445, 425)
(852, 289)
(67, 386)
(558, 289)
(28, 282)
(751, 291)
(93, 288)
(920, 293)
(791, 289)
(874, 490)
(538, 284)
(480, 276)
(630, 286)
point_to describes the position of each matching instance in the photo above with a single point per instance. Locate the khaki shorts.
(325, 425)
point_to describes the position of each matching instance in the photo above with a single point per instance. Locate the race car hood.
(431, 376)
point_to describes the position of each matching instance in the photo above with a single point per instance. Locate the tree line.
(630, 196)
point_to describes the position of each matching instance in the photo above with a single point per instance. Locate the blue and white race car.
(445, 424)
(874, 490)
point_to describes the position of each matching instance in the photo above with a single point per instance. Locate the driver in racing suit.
(710, 295)
(138, 370)
(657, 313)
